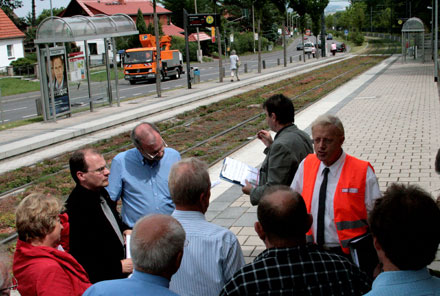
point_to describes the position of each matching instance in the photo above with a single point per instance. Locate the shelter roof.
(7, 28)
(413, 24)
(78, 28)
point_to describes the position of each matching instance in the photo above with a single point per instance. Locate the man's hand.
(247, 189)
(265, 137)
(127, 265)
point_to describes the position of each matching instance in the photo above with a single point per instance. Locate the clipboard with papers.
(237, 172)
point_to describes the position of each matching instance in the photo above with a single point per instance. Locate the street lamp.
(432, 30)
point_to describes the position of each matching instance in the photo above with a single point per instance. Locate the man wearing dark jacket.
(284, 153)
(96, 229)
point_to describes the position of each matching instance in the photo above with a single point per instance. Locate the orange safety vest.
(350, 213)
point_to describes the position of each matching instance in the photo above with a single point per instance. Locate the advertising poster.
(77, 69)
(59, 83)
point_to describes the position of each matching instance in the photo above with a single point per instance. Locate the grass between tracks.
(52, 176)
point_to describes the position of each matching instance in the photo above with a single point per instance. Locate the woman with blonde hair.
(40, 265)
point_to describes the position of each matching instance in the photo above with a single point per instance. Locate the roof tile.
(7, 28)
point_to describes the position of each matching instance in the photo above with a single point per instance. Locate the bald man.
(140, 175)
(289, 265)
(157, 248)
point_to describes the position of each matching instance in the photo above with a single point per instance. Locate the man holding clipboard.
(283, 153)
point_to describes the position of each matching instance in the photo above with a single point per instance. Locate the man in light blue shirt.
(140, 175)
(156, 247)
(406, 234)
(213, 253)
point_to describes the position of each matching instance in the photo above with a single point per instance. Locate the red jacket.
(48, 271)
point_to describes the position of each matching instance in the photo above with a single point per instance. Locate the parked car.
(308, 47)
(340, 47)
(329, 36)
(299, 46)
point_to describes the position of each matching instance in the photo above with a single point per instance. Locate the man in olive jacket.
(284, 153)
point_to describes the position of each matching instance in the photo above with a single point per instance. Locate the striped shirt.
(210, 258)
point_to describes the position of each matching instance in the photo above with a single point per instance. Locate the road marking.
(6, 120)
(136, 94)
(15, 109)
(32, 115)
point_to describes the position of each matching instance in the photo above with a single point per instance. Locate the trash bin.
(196, 75)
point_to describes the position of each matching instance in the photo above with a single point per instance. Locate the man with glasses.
(96, 229)
(139, 176)
(338, 189)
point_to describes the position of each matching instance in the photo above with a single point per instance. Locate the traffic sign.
(346, 32)
(203, 20)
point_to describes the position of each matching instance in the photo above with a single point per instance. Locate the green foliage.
(179, 43)
(22, 63)
(356, 37)
(245, 43)
(140, 22)
(13, 86)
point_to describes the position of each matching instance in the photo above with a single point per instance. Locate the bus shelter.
(413, 39)
(52, 34)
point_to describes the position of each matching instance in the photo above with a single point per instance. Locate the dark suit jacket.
(93, 241)
(290, 146)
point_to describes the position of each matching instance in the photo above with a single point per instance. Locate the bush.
(356, 37)
(244, 42)
(179, 43)
(23, 65)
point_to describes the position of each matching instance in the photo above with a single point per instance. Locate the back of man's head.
(156, 243)
(188, 179)
(282, 107)
(282, 214)
(405, 223)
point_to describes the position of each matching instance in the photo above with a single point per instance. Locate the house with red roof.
(11, 41)
(128, 7)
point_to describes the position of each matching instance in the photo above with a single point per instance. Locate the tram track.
(233, 128)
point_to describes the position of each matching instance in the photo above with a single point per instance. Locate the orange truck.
(140, 63)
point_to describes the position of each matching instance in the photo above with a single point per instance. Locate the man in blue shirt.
(140, 175)
(406, 234)
(157, 248)
(213, 253)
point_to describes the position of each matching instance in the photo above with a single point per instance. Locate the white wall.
(17, 44)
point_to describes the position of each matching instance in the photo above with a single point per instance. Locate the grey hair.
(156, 255)
(328, 119)
(188, 179)
(233, 52)
(134, 137)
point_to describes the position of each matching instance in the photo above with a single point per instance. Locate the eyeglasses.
(153, 156)
(99, 170)
(13, 287)
(325, 141)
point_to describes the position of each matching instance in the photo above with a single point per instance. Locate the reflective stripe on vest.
(350, 213)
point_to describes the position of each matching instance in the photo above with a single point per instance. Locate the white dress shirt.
(372, 192)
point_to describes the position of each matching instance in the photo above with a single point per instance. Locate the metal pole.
(87, 60)
(199, 56)
(52, 94)
(436, 42)
(158, 57)
(107, 69)
(432, 30)
(115, 68)
(253, 25)
(188, 66)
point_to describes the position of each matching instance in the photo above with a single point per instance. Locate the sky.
(40, 5)
(45, 4)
